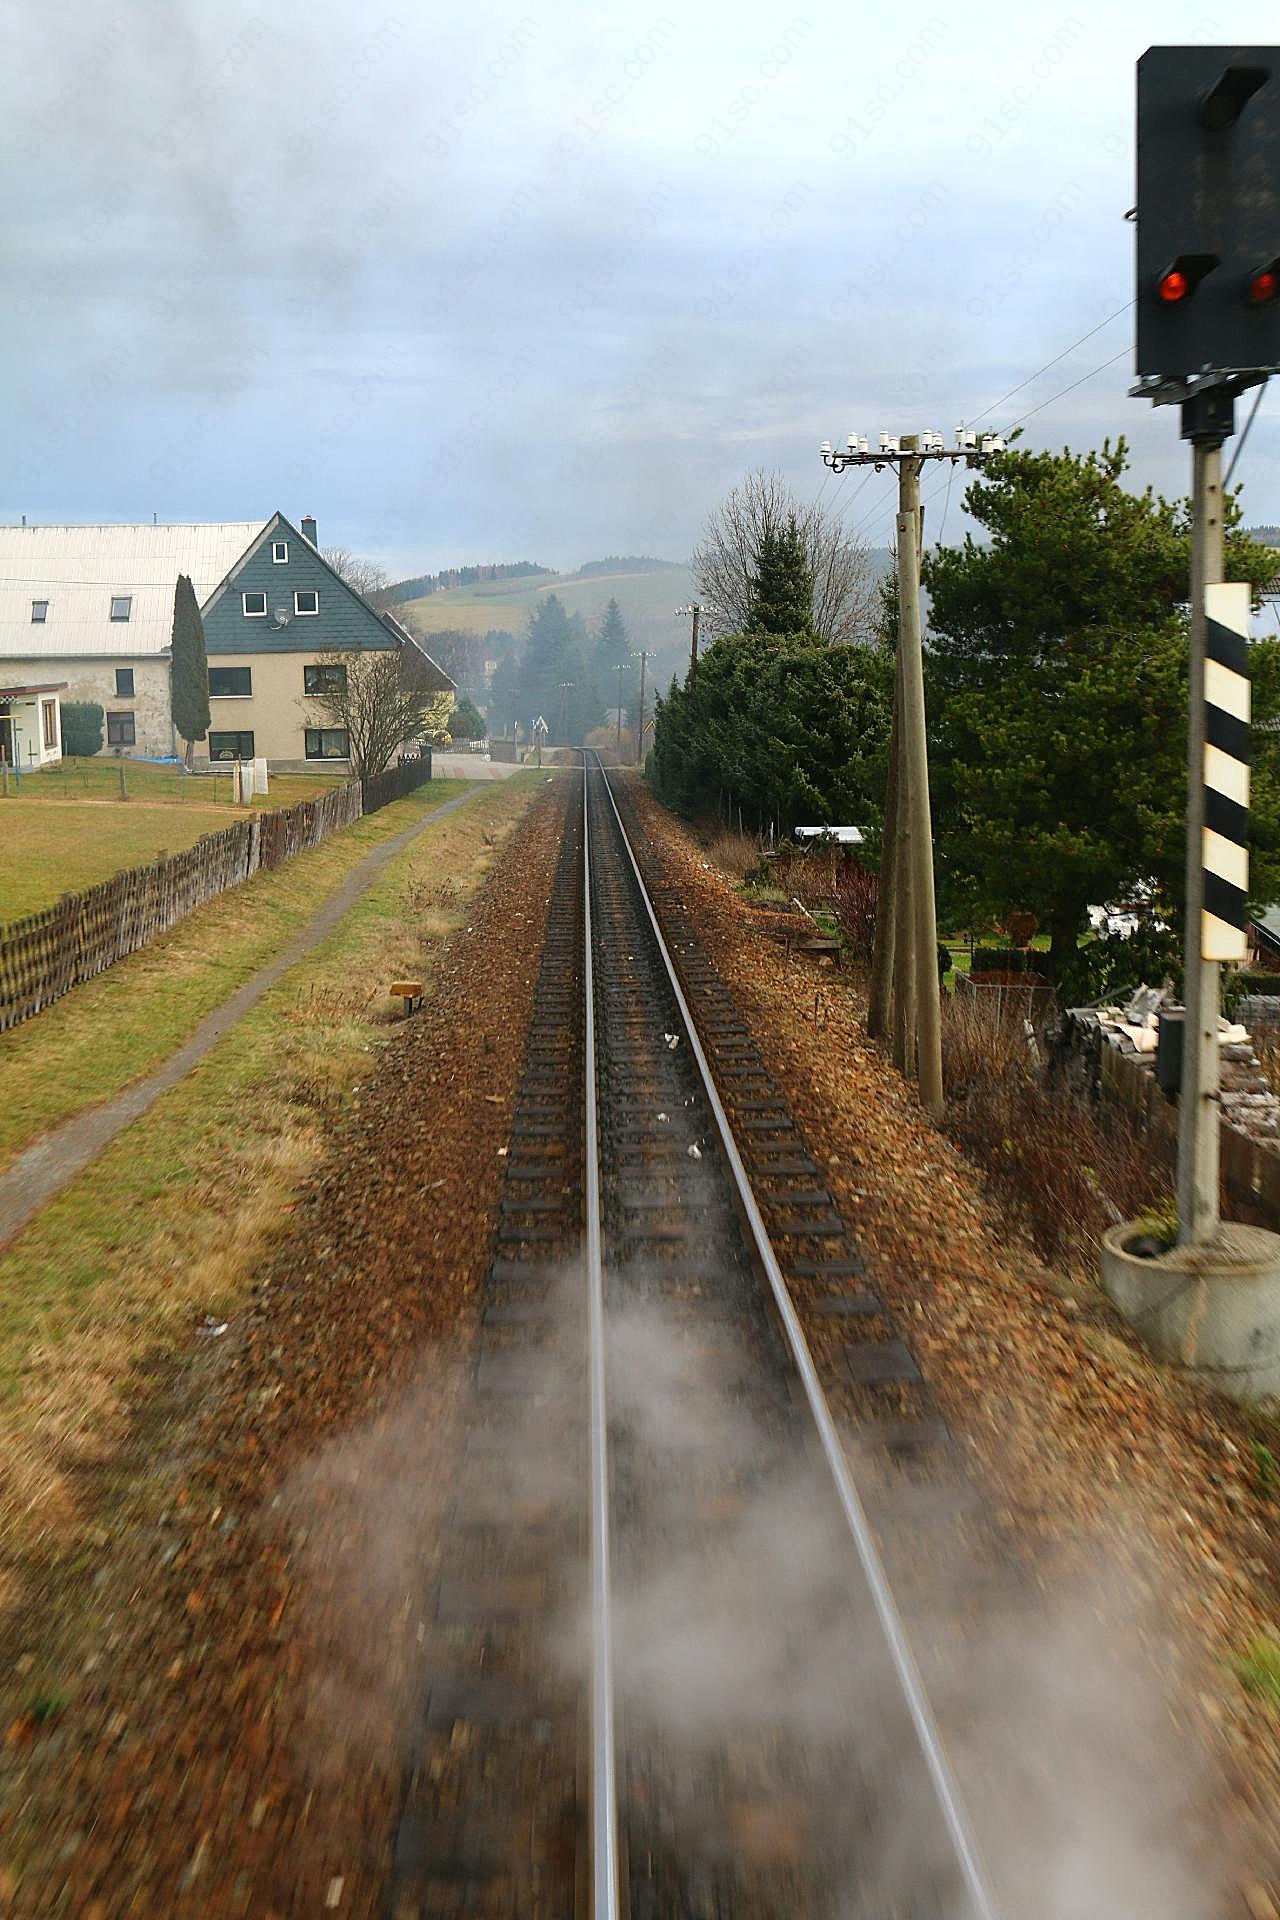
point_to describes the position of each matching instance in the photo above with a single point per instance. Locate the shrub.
(1060, 1167)
(737, 854)
(1002, 960)
(1103, 968)
(466, 722)
(1250, 980)
(856, 896)
(82, 728)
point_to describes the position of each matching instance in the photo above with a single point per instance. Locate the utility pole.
(884, 946)
(696, 610)
(622, 667)
(904, 1003)
(644, 662)
(915, 752)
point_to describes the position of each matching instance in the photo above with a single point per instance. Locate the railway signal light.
(1180, 280)
(1265, 284)
(1208, 210)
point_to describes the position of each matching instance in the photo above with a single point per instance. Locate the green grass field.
(66, 829)
(53, 848)
(99, 779)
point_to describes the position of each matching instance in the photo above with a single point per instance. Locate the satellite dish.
(281, 616)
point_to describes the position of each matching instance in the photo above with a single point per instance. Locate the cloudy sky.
(543, 283)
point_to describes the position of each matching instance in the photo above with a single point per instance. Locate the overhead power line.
(1032, 411)
(1052, 363)
(1253, 414)
(869, 518)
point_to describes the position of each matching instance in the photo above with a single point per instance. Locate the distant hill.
(647, 598)
(425, 583)
(647, 591)
(626, 563)
(1266, 536)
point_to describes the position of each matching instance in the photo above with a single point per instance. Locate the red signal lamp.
(1264, 285)
(1182, 276)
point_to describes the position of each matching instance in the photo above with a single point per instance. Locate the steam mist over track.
(718, 1713)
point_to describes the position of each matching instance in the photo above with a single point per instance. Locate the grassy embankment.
(66, 828)
(111, 1030)
(169, 1223)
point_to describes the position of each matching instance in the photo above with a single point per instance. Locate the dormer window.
(306, 600)
(39, 612)
(280, 551)
(255, 606)
(121, 606)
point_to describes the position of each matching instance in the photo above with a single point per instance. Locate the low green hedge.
(1002, 960)
(1252, 980)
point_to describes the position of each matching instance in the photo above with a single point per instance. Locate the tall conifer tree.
(189, 669)
(782, 590)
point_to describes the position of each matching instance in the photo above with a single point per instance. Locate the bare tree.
(365, 576)
(845, 597)
(380, 698)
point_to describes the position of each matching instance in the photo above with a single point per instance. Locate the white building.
(92, 608)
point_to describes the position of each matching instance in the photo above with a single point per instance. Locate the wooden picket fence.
(45, 955)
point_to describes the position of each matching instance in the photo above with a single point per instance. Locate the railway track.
(666, 1675)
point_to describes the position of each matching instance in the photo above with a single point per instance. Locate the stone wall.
(1104, 1065)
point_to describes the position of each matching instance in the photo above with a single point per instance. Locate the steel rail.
(606, 1892)
(973, 1873)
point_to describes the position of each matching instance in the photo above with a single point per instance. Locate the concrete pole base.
(1214, 1311)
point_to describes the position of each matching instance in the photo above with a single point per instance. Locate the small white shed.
(843, 836)
(31, 725)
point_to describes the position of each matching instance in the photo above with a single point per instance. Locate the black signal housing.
(1208, 192)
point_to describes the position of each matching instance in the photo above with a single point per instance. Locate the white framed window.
(121, 606)
(39, 612)
(280, 551)
(255, 606)
(306, 600)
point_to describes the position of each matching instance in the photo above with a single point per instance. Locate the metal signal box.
(1208, 210)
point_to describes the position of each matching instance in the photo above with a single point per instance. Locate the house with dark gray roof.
(271, 628)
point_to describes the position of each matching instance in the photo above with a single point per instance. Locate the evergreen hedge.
(83, 722)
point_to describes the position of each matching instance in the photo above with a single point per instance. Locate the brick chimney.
(307, 528)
